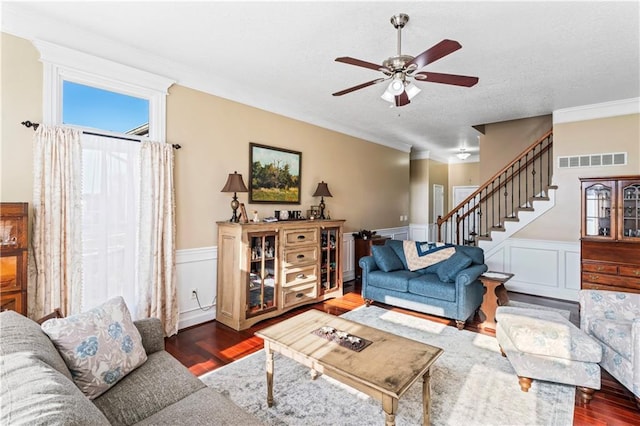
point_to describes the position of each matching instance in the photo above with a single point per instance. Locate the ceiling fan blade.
(436, 77)
(435, 52)
(402, 99)
(360, 63)
(358, 87)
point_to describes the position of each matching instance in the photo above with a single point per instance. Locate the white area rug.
(472, 384)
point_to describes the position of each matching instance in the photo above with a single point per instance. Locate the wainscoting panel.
(541, 267)
(419, 232)
(196, 269)
(400, 233)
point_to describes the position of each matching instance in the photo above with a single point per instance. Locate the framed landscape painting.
(274, 175)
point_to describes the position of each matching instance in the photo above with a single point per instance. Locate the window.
(96, 108)
(69, 73)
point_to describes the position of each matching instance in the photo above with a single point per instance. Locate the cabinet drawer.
(630, 271)
(591, 286)
(600, 267)
(301, 256)
(295, 276)
(597, 278)
(296, 237)
(11, 302)
(299, 294)
(13, 271)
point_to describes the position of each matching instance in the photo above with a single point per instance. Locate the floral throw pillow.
(100, 346)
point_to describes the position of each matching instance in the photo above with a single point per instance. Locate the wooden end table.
(495, 295)
(383, 370)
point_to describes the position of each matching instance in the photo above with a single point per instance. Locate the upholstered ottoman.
(543, 345)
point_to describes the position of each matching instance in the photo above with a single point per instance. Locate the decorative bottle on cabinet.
(330, 256)
(610, 231)
(13, 257)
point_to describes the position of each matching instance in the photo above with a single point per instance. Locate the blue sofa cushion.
(475, 253)
(449, 268)
(396, 246)
(429, 285)
(386, 258)
(396, 280)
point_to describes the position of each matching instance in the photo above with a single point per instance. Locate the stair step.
(511, 219)
(526, 209)
(540, 198)
(552, 187)
(497, 228)
(484, 238)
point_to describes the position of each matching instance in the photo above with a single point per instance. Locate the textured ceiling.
(531, 57)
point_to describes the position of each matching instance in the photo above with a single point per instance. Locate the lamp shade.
(234, 183)
(322, 190)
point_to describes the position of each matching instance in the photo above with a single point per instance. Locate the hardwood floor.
(211, 345)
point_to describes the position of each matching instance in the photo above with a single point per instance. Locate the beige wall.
(615, 134)
(462, 174)
(504, 141)
(20, 100)
(438, 175)
(369, 182)
(420, 190)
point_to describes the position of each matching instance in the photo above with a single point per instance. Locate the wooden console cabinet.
(265, 269)
(610, 233)
(13, 257)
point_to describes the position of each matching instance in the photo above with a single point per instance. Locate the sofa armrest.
(152, 335)
(612, 305)
(470, 274)
(368, 264)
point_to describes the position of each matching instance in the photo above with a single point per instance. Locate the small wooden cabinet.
(610, 233)
(362, 247)
(265, 269)
(13, 256)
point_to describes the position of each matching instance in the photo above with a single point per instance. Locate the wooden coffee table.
(384, 370)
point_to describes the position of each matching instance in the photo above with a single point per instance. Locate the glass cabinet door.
(598, 211)
(630, 206)
(261, 286)
(329, 260)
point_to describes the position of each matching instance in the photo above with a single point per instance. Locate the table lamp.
(322, 191)
(234, 184)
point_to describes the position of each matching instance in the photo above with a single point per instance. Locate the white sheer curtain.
(55, 263)
(110, 201)
(157, 235)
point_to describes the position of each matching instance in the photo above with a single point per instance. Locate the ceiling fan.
(401, 68)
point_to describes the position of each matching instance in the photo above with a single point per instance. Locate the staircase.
(507, 202)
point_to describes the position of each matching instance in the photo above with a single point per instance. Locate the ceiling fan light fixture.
(411, 90)
(388, 97)
(463, 155)
(396, 87)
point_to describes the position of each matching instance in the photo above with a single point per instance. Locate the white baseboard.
(541, 267)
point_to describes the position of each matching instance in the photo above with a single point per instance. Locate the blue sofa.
(449, 289)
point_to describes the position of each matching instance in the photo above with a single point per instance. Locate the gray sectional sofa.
(37, 388)
(439, 289)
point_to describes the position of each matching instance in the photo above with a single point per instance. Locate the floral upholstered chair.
(613, 318)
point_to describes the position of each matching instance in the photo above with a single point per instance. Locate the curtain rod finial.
(30, 124)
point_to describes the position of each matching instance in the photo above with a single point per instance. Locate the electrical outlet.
(194, 293)
(401, 218)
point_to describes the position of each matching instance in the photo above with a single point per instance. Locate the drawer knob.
(299, 295)
(599, 268)
(300, 256)
(636, 272)
(594, 277)
(301, 276)
(301, 237)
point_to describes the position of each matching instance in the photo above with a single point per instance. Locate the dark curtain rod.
(35, 127)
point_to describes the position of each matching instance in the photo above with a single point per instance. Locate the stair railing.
(512, 189)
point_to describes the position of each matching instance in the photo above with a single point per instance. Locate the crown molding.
(420, 155)
(595, 111)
